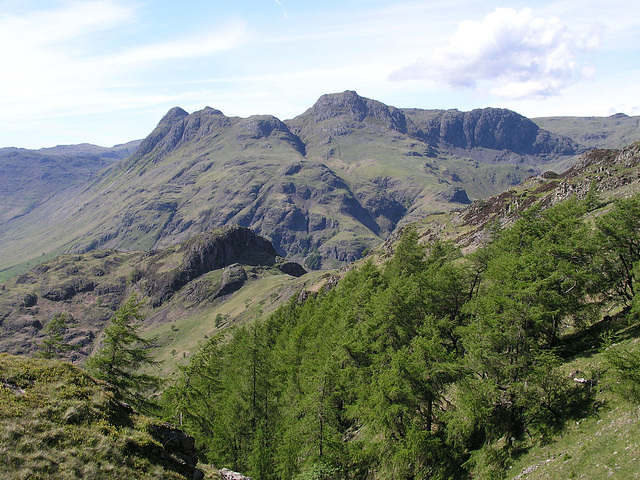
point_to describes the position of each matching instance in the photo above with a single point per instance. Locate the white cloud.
(519, 55)
(48, 27)
(65, 60)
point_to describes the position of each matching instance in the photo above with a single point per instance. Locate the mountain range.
(323, 187)
(230, 275)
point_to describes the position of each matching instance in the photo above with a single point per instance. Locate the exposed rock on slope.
(90, 287)
(612, 173)
(202, 254)
(493, 129)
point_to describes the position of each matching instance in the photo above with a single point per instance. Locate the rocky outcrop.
(265, 126)
(66, 290)
(178, 449)
(227, 474)
(89, 288)
(350, 105)
(233, 279)
(291, 268)
(204, 253)
(340, 114)
(172, 117)
(455, 195)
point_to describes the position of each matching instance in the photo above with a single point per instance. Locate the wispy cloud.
(284, 12)
(57, 61)
(191, 47)
(521, 55)
(51, 26)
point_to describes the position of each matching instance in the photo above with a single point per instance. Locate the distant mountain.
(30, 177)
(323, 187)
(615, 131)
(116, 152)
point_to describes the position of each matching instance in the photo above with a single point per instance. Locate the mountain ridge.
(330, 183)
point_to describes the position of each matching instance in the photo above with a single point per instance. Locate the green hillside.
(495, 341)
(191, 291)
(437, 364)
(56, 422)
(615, 131)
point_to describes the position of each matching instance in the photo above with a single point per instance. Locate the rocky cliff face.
(202, 254)
(349, 106)
(491, 128)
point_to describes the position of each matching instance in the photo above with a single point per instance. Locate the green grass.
(188, 328)
(56, 422)
(600, 447)
(602, 443)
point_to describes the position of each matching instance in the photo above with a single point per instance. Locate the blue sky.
(106, 71)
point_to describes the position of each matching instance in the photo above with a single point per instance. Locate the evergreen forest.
(433, 364)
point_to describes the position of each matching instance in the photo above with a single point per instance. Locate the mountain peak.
(349, 106)
(173, 115)
(337, 104)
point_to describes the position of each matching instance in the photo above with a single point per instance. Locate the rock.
(491, 128)
(29, 300)
(233, 279)
(178, 448)
(206, 252)
(265, 126)
(455, 195)
(227, 474)
(292, 268)
(197, 475)
(66, 290)
(350, 105)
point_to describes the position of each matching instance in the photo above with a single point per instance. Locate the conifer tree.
(54, 345)
(123, 353)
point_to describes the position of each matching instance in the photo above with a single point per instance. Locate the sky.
(106, 71)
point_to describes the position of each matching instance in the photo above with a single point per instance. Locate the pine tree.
(123, 353)
(54, 345)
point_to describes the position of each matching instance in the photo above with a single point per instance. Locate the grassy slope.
(599, 446)
(56, 422)
(188, 328)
